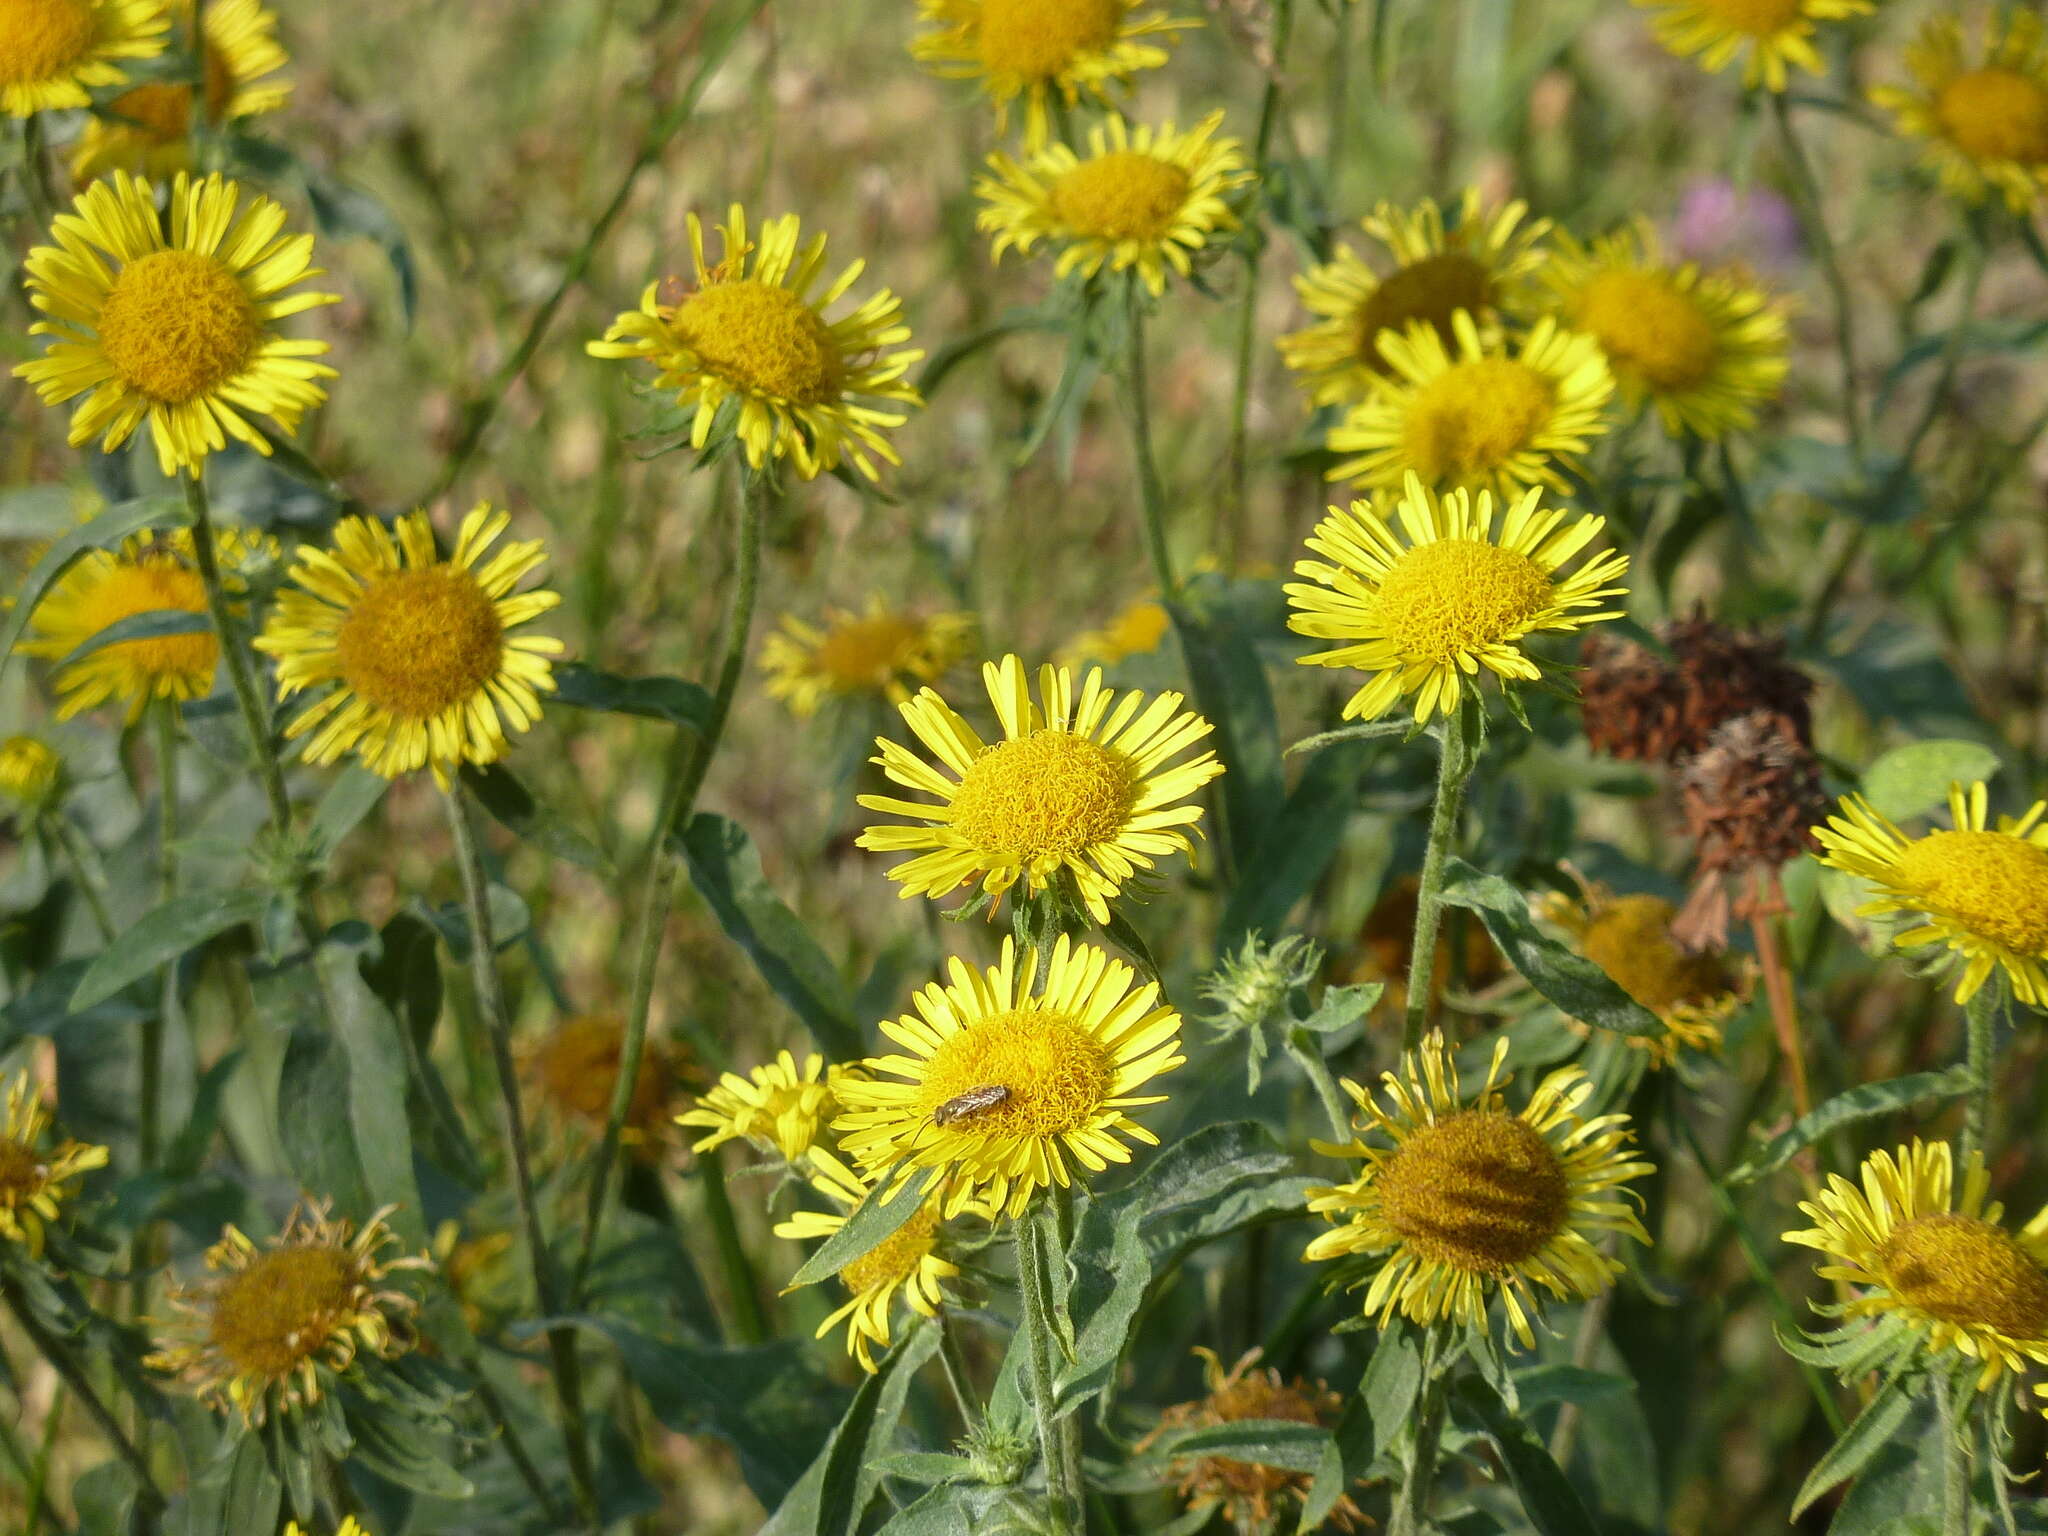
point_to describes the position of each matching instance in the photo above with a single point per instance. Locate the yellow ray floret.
(1008, 1086)
(1980, 889)
(1428, 605)
(874, 652)
(1141, 200)
(422, 659)
(1473, 1199)
(1080, 785)
(777, 1106)
(174, 329)
(1984, 117)
(55, 53)
(1769, 36)
(35, 1177)
(753, 331)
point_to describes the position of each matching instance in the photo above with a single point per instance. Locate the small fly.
(975, 1101)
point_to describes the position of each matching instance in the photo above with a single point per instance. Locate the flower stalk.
(1455, 761)
(1411, 1504)
(1981, 1054)
(1151, 491)
(1033, 1237)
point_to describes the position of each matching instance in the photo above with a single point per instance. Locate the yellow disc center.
(177, 325)
(418, 643)
(148, 585)
(867, 653)
(1967, 1271)
(281, 1309)
(895, 1259)
(1480, 1191)
(764, 339)
(1038, 39)
(1630, 939)
(22, 1173)
(1057, 1072)
(1758, 18)
(1996, 114)
(1991, 883)
(1472, 418)
(40, 39)
(1456, 596)
(1647, 325)
(1044, 797)
(1123, 195)
(1430, 290)
(164, 112)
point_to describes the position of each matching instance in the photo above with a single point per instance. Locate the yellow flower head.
(36, 1178)
(1768, 35)
(1472, 1198)
(426, 664)
(348, 1527)
(874, 653)
(147, 574)
(31, 772)
(1985, 118)
(1445, 595)
(906, 1261)
(1141, 199)
(54, 53)
(1706, 348)
(1006, 1087)
(1945, 1266)
(177, 329)
(1481, 264)
(1629, 937)
(149, 129)
(573, 1067)
(1075, 786)
(1136, 630)
(753, 330)
(271, 1324)
(1981, 890)
(777, 1106)
(1480, 414)
(1029, 49)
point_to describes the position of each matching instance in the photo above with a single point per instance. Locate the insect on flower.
(975, 1101)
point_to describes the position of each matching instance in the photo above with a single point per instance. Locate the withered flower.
(1751, 798)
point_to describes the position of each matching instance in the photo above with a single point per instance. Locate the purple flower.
(1718, 223)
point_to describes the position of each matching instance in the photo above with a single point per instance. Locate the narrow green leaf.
(1861, 1103)
(946, 358)
(1881, 1418)
(871, 1223)
(1393, 1381)
(354, 793)
(342, 210)
(671, 699)
(513, 806)
(1231, 690)
(1553, 1506)
(109, 528)
(1292, 1445)
(1299, 845)
(377, 1098)
(157, 624)
(1559, 1382)
(1914, 779)
(1369, 730)
(183, 923)
(1342, 1007)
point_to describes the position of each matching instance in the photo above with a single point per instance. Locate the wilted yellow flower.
(272, 1324)
(1481, 264)
(1029, 50)
(1074, 787)
(574, 1066)
(426, 667)
(1629, 937)
(30, 771)
(149, 129)
(1769, 35)
(1136, 630)
(1473, 1199)
(55, 53)
(1140, 200)
(1429, 606)
(754, 331)
(777, 1106)
(35, 1178)
(1985, 119)
(873, 652)
(174, 330)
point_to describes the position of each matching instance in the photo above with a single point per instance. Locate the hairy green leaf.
(1914, 779)
(162, 935)
(1553, 1506)
(672, 699)
(1847, 1108)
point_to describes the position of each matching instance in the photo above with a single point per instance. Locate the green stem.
(748, 1323)
(1955, 1460)
(1152, 494)
(688, 762)
(483, 966)
(164, 731)
(1807, 193)
(958, 1377)
(515, 1447)
(1034, 1286)
(42, 198)
(1592, 1322)
(1454, 768)
(1338, 112)
(1980, 1052)
(1301, 1045)
(1411, 1505)
(67, 837)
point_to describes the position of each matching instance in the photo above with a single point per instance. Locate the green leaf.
(726, 869)
(870, 1224)
(1342, 1007)
(354, 793)
(157, 624)
(1554, 1508)
(1881, 1418)
(1393, 1381)
(1562, 1383)
(1230, 688)
(397, 1451)
(925, 1468)
(37, 512)
(377, 1097)
(1574, 983)
(1345, 1460)
(104, 531)
(1369, 730)
(1292, 1445)
(833, 1494)
(1299, 844)
(313, 1122)
(1914, 779)
(513, 806)
(342, 210)
(651, 698)
(162, 935)
(1861, 1103)
(957, 351)
(961, 1508)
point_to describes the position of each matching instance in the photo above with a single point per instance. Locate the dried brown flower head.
(1640, 707)
(1751, 798)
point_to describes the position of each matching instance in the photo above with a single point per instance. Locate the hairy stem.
(748, 1324)
(1301, 1045)
(1807, 193)
(1454, 768)
(1411, 1504)
(1034, 1286)
(1151, 493)
(1980, 1052)
(69, 842)
(1955, 1458)
(958, 1378)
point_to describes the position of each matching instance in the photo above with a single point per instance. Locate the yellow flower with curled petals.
(1984, 118)
(874, 652)
(35, 1177)
(55, 53)
(778, 1106)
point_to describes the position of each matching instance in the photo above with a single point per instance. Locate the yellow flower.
(1140, 200)
(1629, 937)
(1480, 264)
(907, 1260)
(1483, 415)
(1982, 890)
(1136, 630)
(31, 772)
(1704, 347)
(348, 1527)
(574, 1066)
(754, 331)
(271, 1325)
(428, 668)
(175, 331)
(147, 574)
(54, 53)
(777, 1106)
(36, 1179)
(873, 652)
(1472, 1198)
(1007, 1086)
(1943, 1266)
(1030, 49)
(1074, 787)
(1772, 33)
(1445, 595)
(1985, 123)
(149, 129)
